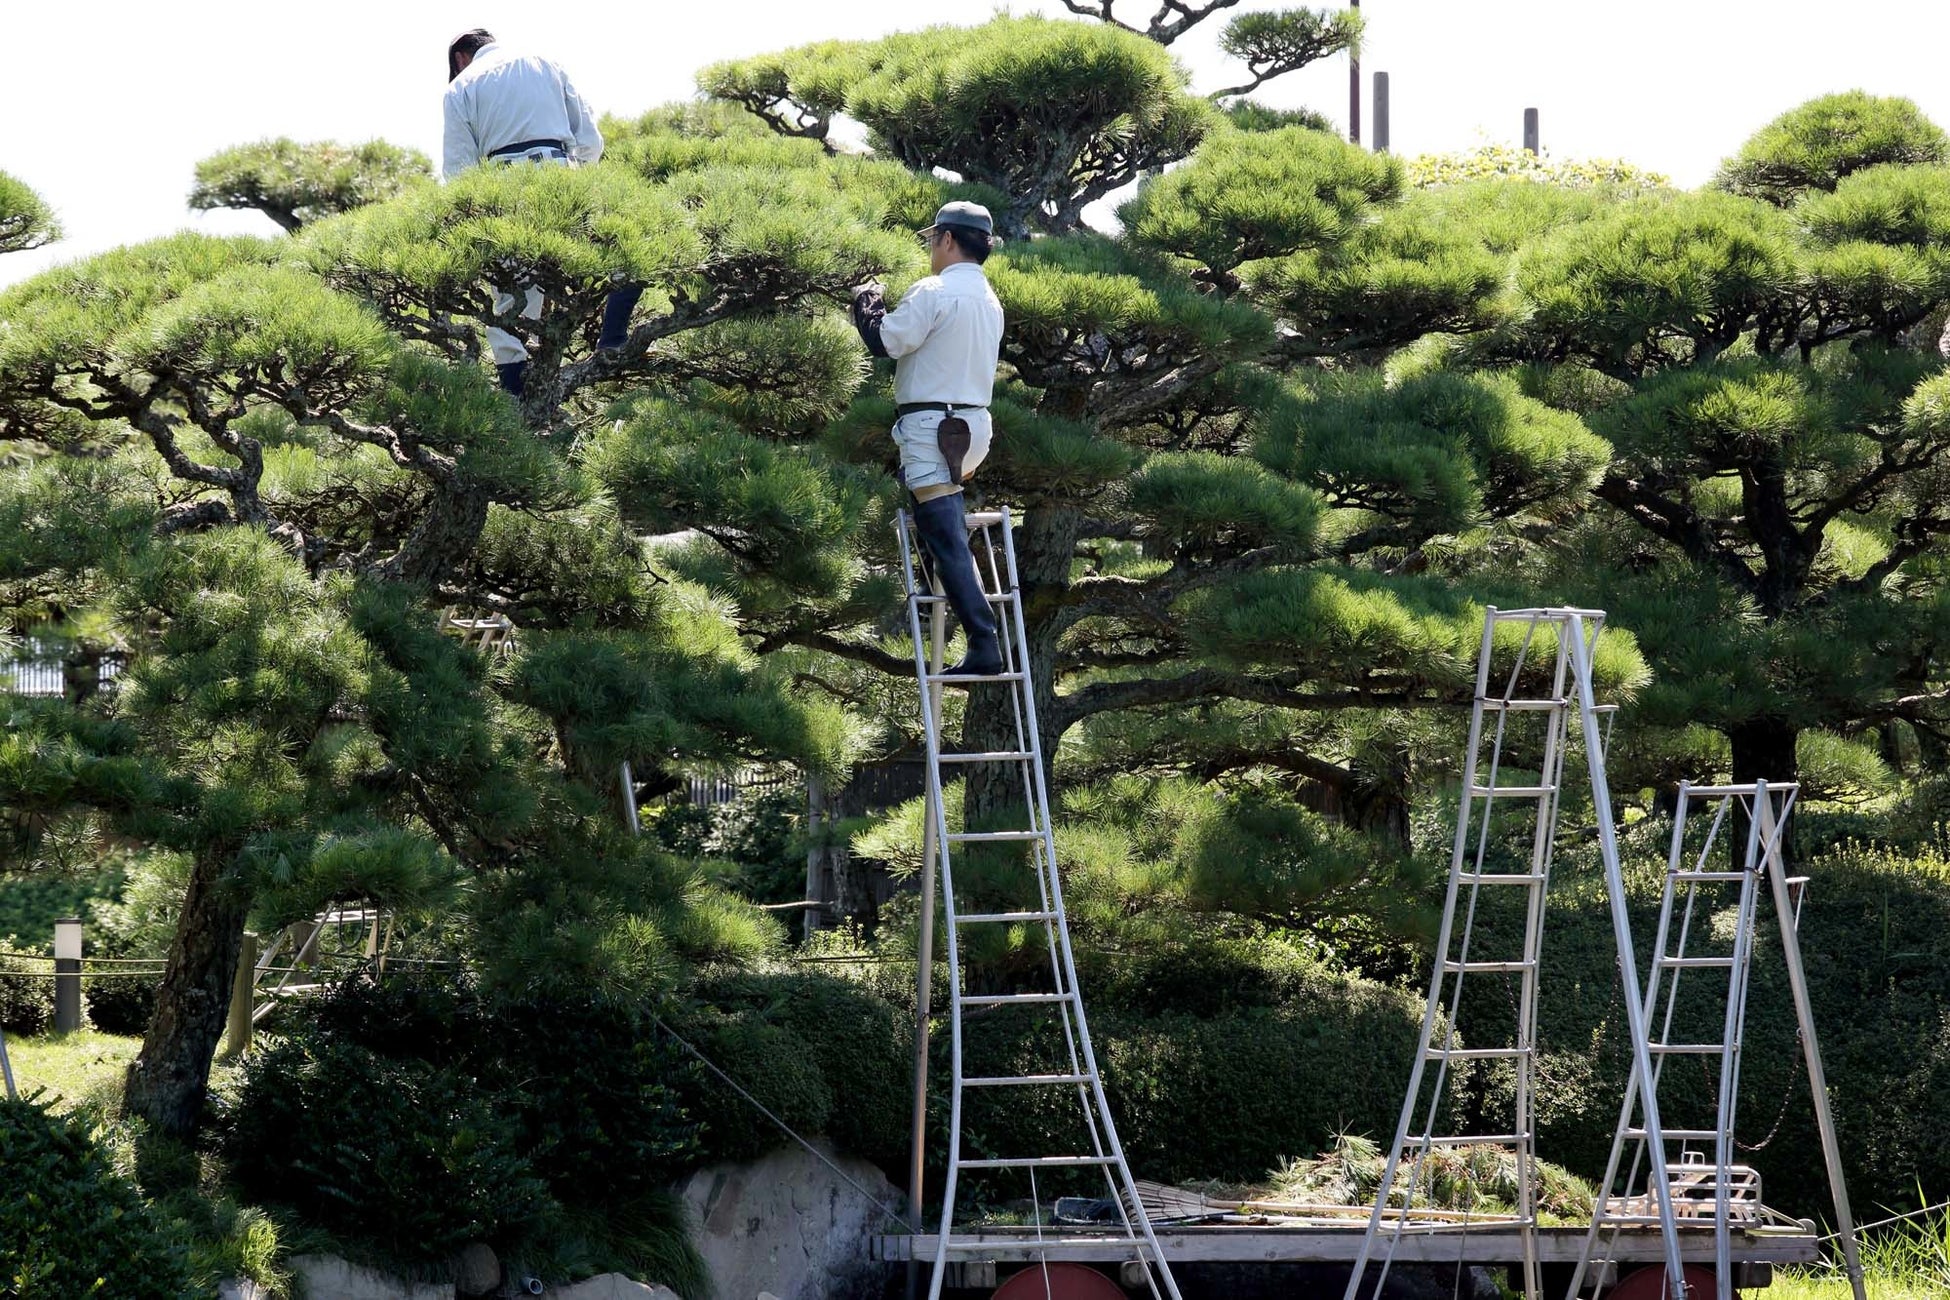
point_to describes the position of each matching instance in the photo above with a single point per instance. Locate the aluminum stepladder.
(1767, 807)
(994, 547)
(1568, 638)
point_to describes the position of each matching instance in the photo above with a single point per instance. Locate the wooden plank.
(1246, 1244)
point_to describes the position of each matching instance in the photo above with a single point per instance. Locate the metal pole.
(1594, 754)
(1354, 87)
(1530, 130)
(628, 780)
(815, 853)
(242, 986)
(1831, 1150)
(67, 975)
(7, 1068)
(1381, 112)
(924, 961)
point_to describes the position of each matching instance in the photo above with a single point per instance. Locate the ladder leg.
(1831, 1151)
(1456, 860)
(1628, 966)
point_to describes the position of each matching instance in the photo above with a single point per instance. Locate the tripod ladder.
(1059, 1006)
(1530, 710)
(1693, 887)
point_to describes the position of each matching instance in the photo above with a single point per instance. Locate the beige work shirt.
(945, 337)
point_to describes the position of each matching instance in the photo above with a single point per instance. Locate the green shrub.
(70, 1227)
(31, 901)
(1197, 1096)
(413, 1159)
(861, 1045)
(26, 995)
(774, 1064)
(120, 1003)
(556, 1125)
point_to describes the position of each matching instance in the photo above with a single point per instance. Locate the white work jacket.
(945, 335)
(502, 98)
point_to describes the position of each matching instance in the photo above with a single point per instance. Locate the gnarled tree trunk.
(1046, 542)
(1763, 750)
(167, 1081)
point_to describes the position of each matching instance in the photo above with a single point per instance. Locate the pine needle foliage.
(296, 184)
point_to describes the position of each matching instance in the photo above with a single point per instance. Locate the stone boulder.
(327, 1277)
(785, 1224)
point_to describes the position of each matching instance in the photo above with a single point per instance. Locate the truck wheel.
(1062, 1281)
(1650, 1284)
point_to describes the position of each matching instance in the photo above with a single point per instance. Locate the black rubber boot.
(513, 375)
(944, 531)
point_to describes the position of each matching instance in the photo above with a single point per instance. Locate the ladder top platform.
(1329, 1244)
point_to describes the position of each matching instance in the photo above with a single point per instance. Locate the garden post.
(243, 987)
(67, 975)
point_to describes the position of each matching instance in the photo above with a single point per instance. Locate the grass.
(1906, 1261)
(77, 1070)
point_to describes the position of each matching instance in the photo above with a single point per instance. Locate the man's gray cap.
(969, 216)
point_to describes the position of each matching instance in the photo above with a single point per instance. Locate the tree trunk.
(167, 1081)
(1763, 750)
(1046, 542)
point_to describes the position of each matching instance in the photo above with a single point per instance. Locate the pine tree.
(266, 467)
(1764, 368)
(295, 184)
(1183, 546)
(25, 219)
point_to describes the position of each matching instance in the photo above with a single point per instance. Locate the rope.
(1883, 1223)
(784, 1127)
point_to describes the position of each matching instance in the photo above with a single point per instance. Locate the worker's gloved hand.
(869, 304)
(869, 308)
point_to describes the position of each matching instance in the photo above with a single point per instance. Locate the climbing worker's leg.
(616, 316)
(940, 519)
(510, 356)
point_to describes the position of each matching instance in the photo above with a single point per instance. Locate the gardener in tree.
(504, 107)
(945, 337)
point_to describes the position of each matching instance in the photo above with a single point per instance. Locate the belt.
(946, 408)
(509, 150)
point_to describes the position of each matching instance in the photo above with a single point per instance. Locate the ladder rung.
(1709, 875)
(1686, 1049)
(974, 677)
(1026, 1080)
(980, 837)
(1722, 791)
(981, 518)
(1478, 1053)
(1501, 877)
(1042, 1162)
(1511, 791)
(1003, 918)
(1678, 1134)
(1487, 967)
(1697, 963)
(991, 756)
(993, 597)
(1520, 706)
(1015, 999)
(1472, 1140)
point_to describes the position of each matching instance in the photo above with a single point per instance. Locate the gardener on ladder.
(946, 335)
(505, 108)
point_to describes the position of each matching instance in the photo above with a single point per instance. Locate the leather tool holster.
(953, 436)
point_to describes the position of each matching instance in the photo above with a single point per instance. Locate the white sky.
(106, 106)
